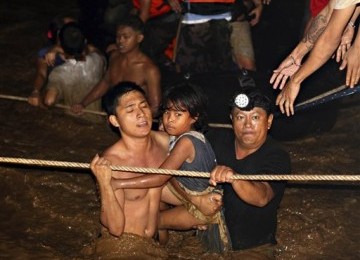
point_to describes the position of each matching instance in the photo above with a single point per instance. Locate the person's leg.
(208, 204)
(163, 234)
(178, 218)
(159, 34)
(218, 47)
(242, 46)
(168, 197)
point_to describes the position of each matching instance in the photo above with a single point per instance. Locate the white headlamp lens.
(241, 100)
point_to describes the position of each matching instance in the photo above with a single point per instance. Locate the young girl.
(184, 119)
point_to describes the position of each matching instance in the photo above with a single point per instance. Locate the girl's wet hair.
(112, 97)
(186, 96)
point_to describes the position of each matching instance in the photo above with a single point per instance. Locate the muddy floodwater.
(53, 213)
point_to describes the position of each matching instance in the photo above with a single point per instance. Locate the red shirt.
(316, 6)
(157, 7)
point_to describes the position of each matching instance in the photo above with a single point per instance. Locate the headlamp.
(241, 100)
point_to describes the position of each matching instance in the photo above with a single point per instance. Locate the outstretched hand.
(352, 62)
(285, 100)
(286, 69)
(345, 43)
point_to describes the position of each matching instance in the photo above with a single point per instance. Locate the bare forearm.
(355, 16)
(325, 45)
(320, 54)
(39, 82)
(96, 92)
(316, 28)
(254, 193)
(143, 182)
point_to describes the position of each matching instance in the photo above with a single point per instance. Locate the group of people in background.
(189, 37)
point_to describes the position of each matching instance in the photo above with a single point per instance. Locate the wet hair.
(72, 39)
(112, 97)
(186, 96)
(248, 98)
(134, 22)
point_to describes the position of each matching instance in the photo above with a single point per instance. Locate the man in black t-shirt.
(250, 206)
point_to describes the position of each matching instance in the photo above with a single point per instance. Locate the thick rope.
(95, 112)
(333, 94)
(56, 105)
(263, 177)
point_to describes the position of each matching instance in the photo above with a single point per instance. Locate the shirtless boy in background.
(128, 63)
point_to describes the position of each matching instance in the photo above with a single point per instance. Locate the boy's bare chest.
(121, 72)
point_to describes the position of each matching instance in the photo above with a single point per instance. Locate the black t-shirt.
(250, 226)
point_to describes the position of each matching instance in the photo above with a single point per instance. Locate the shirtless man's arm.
(112, 215)
(208, 204)
(97, 91)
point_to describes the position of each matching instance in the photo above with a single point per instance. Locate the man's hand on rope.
(101, 169)
(221, 174)
(77, 109)
(287, 68)
(34, 98)
(285, 100)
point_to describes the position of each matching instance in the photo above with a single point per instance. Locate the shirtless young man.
(128, 63)
(132, 211)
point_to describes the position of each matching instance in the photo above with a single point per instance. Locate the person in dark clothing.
(250, 206)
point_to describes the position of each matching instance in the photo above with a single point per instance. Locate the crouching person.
(250, 206)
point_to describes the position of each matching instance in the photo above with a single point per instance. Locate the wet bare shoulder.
(161, 138)
(114, 153)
